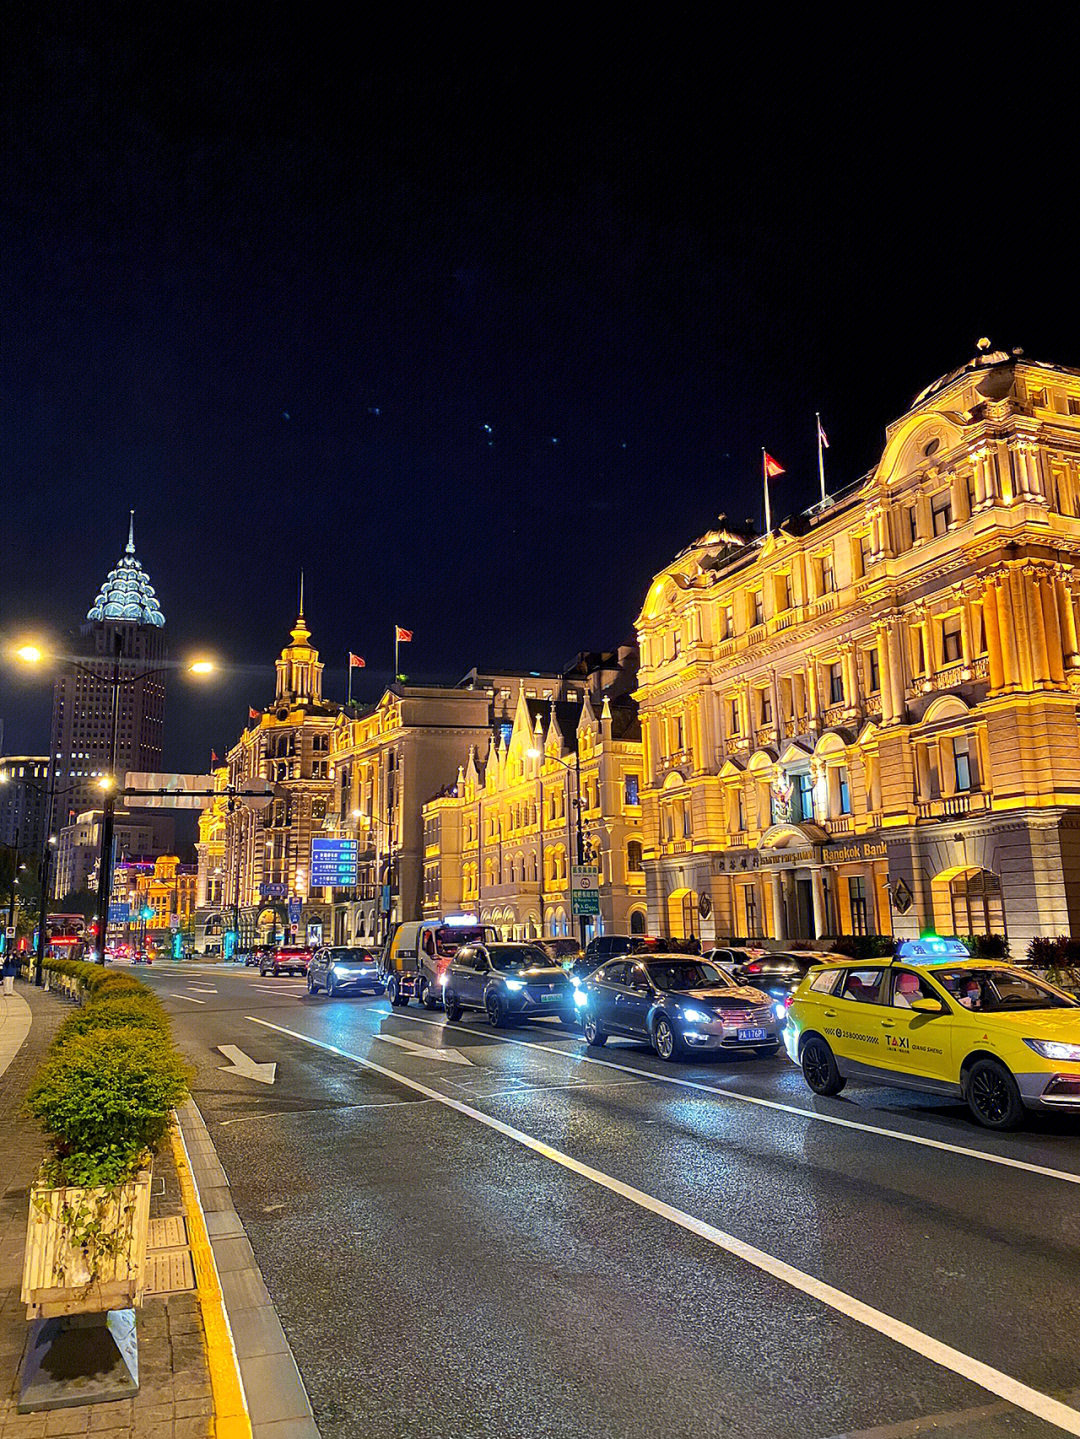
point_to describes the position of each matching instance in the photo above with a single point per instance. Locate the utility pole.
(105, 862)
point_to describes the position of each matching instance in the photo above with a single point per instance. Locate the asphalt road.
(473, 1232)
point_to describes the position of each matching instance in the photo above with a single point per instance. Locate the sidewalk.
(174, 1399)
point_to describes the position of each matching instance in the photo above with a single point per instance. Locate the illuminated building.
(24, 782)
(389, 760)
(146, 833)
(267, 852)
(500, 842)
(160, 894)
(867, 720)
(125, 607)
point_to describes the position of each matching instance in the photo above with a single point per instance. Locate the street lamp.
(575, 770)
(35, 654)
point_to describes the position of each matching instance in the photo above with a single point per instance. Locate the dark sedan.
(508, 981)
(779, 975)
(679, 1004)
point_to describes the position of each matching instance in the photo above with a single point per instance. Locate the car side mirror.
(927, 1006)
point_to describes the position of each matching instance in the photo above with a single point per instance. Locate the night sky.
(480, 336)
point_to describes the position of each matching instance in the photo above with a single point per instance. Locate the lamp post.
(32, 654)
(575, 770)
(45, 863)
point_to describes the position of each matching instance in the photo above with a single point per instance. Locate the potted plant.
(103, 1097)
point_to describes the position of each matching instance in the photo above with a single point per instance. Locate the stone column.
(1067, 616)
(922, 773)
(1054, 641)
(896, 671)
(821, 921)
(888, 713)
(776, 888)
(1022, 627)
(995, 661)
(946, 766)
(1002, 592)
(1040, 656)
(813, 692)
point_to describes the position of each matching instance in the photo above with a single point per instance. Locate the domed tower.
(125, 611)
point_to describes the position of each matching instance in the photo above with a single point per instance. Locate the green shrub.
(103, 1098)
(865, 946)
(104, 983)
(986, 946)
(117, 1010)
(1053, 951)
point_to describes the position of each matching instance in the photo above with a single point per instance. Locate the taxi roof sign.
(932, 949)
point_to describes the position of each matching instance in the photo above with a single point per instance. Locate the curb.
(262, 1395)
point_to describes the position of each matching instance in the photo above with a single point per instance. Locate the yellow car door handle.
(888, 1024)
(830, 1014)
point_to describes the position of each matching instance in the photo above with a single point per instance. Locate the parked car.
(679, 1003)
(257, 954)
(508, 981)
(606, 946)
(339, 969)
(779, 975)
(285, 961)
(565, 952)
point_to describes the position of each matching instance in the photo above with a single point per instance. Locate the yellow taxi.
(932, 1018)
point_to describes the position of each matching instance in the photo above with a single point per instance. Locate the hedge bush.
(104, 1092)
(1053, 951)
(865, 946)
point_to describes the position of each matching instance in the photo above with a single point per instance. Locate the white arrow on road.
(246, 1067)
(425, 1051)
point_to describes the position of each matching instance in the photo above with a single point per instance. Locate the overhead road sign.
(584, 889)
(149, 790)
(333, 863)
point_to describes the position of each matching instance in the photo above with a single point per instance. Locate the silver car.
(340, 970)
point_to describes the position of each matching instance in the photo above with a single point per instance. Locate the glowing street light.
(30, 654)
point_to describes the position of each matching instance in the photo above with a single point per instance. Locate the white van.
(420, 952)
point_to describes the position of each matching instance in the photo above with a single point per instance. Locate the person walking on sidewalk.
(10, 966)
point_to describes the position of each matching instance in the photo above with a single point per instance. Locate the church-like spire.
(127, 593)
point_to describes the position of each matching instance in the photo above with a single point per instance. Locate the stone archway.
(968, 900)
(682, 914)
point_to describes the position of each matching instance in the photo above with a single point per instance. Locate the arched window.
(637, 921)
(977, 906)
(633, 857)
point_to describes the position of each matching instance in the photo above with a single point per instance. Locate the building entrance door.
(804, 908)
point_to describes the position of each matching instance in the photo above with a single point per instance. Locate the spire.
(300, 632)
(127, 593)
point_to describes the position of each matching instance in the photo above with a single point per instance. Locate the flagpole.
(348, 667)
(765, 482)
(820, 457)
(397, 663)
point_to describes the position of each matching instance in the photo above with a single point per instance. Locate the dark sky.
(481, 334)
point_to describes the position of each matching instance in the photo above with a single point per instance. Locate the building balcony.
(872, 706)
(975, 802)
(835, 715)
(823, 604)
(765, 735)
(842, 824)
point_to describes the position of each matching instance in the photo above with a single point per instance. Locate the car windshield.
(992, 990)
(354, 956)
(686, 974)
(519, 956)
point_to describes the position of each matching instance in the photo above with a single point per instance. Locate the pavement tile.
(244, 1290)
(258, 1331)
(233, 1254)
(197, 1428)
(274, 1390)
(68, 1421)
(288, 1429)
(192, 1408)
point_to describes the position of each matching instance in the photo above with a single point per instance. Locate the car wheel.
(595, 1037)
(992, 1095)
(819, 1067)
(312, 987)
(666, 1039)
(451, 1006)
(495, 1010)
(429, 998)
(331, 987)
(263, 972)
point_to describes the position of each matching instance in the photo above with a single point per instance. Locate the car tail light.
(787, 1000)
(754, 968)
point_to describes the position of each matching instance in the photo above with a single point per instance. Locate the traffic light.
(147, 912)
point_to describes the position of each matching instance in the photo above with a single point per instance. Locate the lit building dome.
(127, 593)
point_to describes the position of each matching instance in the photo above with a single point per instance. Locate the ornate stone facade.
(867, 719)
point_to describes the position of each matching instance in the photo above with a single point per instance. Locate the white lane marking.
(190, 998)
(425, 1051)
(796, 1109)
(944, 1355)
(243, 1065)
(201, 989)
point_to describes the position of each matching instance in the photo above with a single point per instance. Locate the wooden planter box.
(58, 1275)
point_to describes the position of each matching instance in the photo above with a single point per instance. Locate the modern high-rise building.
(23, 779)
(125, 614)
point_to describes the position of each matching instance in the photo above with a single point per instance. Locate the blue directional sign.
(333, 863)
(295, 907)
(119, 912)
(273, 891)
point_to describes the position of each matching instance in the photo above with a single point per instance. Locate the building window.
(757, 607)
(836, 683)
(962, 763)
(873, 672)
(844, 787)
(865, 553)
(860, 923)
(727, 622)
(784, 600)
(977, 906)
(766, 706)
(912, 512)
(677, 730)
(634, 861)
(804, 796)
(739, 806)
(951, 646)
(631, 791)
(734, 716)
(750, 905)
(941, 511)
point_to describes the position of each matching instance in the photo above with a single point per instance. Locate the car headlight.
(779, 1010)
(340, 971)
(696, 1016)
(1054, 1049)
(442, 981)
(514, 984)
(580, 998)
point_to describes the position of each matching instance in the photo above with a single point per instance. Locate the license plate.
(752, 1034)
(550, 998)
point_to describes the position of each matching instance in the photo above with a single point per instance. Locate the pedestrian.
(10, 966)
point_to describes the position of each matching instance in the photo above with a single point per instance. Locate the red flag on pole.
(252, 714)
(822, 436)
(402, 636)
(213, 757)
(356, 662)
(773, 467)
